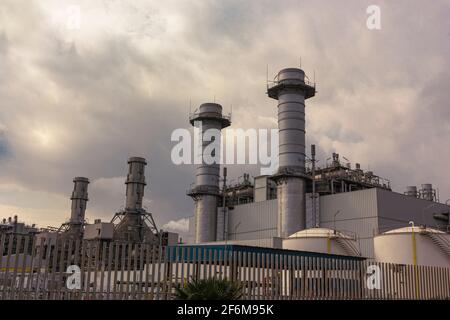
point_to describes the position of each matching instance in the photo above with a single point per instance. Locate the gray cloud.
(80, 102)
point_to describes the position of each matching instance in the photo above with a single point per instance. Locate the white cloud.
(181, 225)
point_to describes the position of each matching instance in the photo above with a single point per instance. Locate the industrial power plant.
(334, 209)
(306, 231)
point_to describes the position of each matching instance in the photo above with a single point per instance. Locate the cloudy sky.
(77, 99)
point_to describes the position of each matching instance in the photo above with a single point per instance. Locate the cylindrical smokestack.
(206, 191)
(411, 191)
(291, 120)
(79, 200)
(427, 192)
(291, 90)
(135, 184)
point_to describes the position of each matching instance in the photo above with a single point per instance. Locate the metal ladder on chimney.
(440, 241)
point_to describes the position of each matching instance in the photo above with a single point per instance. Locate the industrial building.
(332, 209)
(305, 232)
(133, 224)
(11, 225)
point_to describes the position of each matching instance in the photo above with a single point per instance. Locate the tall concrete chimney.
(291, 90)
(79, 202)
(206, 191)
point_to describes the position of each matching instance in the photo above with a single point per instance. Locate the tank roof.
(413, 229)
(319, 233)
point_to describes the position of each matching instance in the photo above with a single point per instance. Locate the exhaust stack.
(135, 223)
(79, 203)
(135, 184)
(206, 191)
(291, 90)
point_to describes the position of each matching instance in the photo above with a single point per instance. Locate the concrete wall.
(396, 210)
(358, 214)
(365, 213)
(257, 220)
(372, 211)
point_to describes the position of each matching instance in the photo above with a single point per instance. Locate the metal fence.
(117, 270)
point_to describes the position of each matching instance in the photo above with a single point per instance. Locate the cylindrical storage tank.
(79, 200)
(413, 246)
(135, 183)
(322, 240)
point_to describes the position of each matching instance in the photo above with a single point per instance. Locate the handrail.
(313, 234)
(275, 83)
(196, 114)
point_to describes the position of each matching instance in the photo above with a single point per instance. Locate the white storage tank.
(414, 246)
(322, 240)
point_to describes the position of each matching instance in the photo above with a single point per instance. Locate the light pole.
(235, 230)
(448, 223)
(334, 220)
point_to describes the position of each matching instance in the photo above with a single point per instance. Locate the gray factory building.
(363, 213)
(348, 202)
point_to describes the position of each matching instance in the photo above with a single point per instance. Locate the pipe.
(313, 174)
(224, 205)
